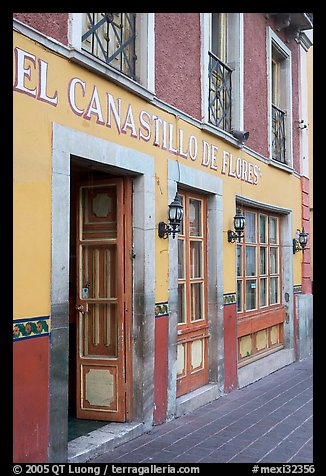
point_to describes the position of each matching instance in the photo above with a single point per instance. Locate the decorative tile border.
(28, 328)
(297, 288)
(230, 298)
(161, 309)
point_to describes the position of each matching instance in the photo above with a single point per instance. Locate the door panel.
(192, 348)
(103, 297)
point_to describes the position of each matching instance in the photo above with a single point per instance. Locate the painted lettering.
(244, 170)
(129, 122)
(213, 165)
(116, 111)
(231, 173)
(206, 154)
(94, 107)
(145, 125)
(224, 162)
(193, 147)
(32, 79)
(43, 80)
(23, 72)
(181, 151)
(157, 122)
(171, 148)
(71, 95)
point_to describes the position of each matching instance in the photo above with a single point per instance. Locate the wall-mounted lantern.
(175, 218)
(300, 242)
(239, 225)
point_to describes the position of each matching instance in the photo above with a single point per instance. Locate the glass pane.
(181, 304)
(196, 307)
(250, 227)
(273, 238)
(195, 225)
(262, 229)
(274, 297)
(99, 213)
(239, 260)
(274, 260)
(251, 285)
(181, 262)
(181, 225)
(250, 260)
(263, 292)
(239, 296)
(196, 259)
(263, 260)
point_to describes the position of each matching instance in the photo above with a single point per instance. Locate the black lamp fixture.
(175, 217)
(300, 242)
(241, 136)
(239, 224)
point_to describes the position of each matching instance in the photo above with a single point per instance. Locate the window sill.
(227, 136)
(84, 59)
(280, 165)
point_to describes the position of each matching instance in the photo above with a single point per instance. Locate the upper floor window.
(111, 38)
(122, 41)
(280, 102)
(219, 103)
(222, 73)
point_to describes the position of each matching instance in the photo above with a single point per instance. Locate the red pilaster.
(230, 348)
(160, 369)
(31, 400)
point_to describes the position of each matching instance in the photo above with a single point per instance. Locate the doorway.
(100, 298)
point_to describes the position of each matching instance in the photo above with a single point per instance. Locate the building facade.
(116, 115)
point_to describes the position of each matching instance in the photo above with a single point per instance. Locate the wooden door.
(192, 348)
(103, 300)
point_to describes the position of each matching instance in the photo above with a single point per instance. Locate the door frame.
(111, 157)
(179, 175)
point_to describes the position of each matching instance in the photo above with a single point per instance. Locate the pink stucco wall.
(256, 85)
(177, 61)
(255, 82)
(54, 25)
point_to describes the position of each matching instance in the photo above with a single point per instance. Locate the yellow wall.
(311, 151)
(32, 175)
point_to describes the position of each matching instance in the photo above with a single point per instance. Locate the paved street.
(269, 421)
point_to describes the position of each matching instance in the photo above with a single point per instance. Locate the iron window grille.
(111, 38)
(278, 134)
(219, 102)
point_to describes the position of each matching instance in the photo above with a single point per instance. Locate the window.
(222, 69)
(192, 348)
(122, 41)
(219, 104)
(280, 103)
(111, 38)
(258, 263)
(258, 274)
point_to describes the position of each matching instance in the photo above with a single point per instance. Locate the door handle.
(81, 309)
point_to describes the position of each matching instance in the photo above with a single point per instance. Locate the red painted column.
(230, 348)
(160, 369)
(31, 399)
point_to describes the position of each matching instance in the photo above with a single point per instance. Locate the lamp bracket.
(163, 230)
(234, 236)
(297, 246)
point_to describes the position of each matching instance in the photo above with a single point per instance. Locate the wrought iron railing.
(219, 101)
(111, 38)
(278, 134)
